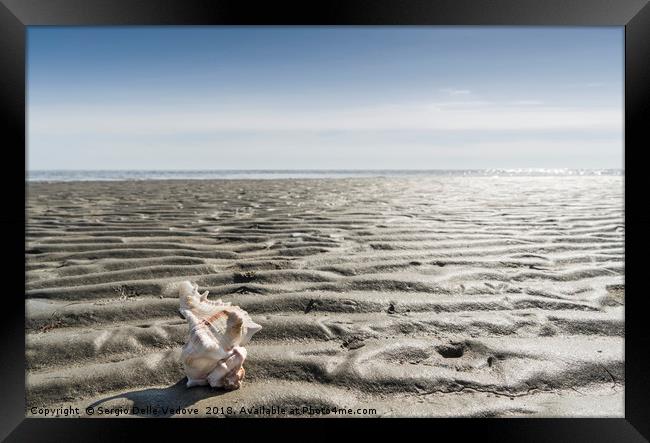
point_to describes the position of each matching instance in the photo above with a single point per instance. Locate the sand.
(427, 296)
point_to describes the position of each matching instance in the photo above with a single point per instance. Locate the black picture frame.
(16, 15)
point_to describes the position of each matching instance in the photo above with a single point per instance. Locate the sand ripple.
(440, 296)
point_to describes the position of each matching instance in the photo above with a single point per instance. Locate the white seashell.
(214, 353)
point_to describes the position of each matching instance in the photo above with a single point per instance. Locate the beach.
(378, 296)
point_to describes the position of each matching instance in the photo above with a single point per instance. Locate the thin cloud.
(454, 91)
(526, 103)
(66, 120)
(587, 85)
(304, 152)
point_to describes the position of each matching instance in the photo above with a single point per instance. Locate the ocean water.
(121, 175)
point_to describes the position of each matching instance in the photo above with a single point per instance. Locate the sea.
(125, 175)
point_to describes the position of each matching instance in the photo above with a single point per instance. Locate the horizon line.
(324, 169)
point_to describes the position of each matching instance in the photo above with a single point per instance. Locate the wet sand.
(445, 296)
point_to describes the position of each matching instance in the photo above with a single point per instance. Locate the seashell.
(214, 353)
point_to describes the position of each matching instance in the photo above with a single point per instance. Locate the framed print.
(348, 215)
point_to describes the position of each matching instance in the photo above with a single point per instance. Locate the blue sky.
(325, 97)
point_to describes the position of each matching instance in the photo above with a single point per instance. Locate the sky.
(324, 97)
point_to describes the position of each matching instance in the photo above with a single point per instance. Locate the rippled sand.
(446, 296)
